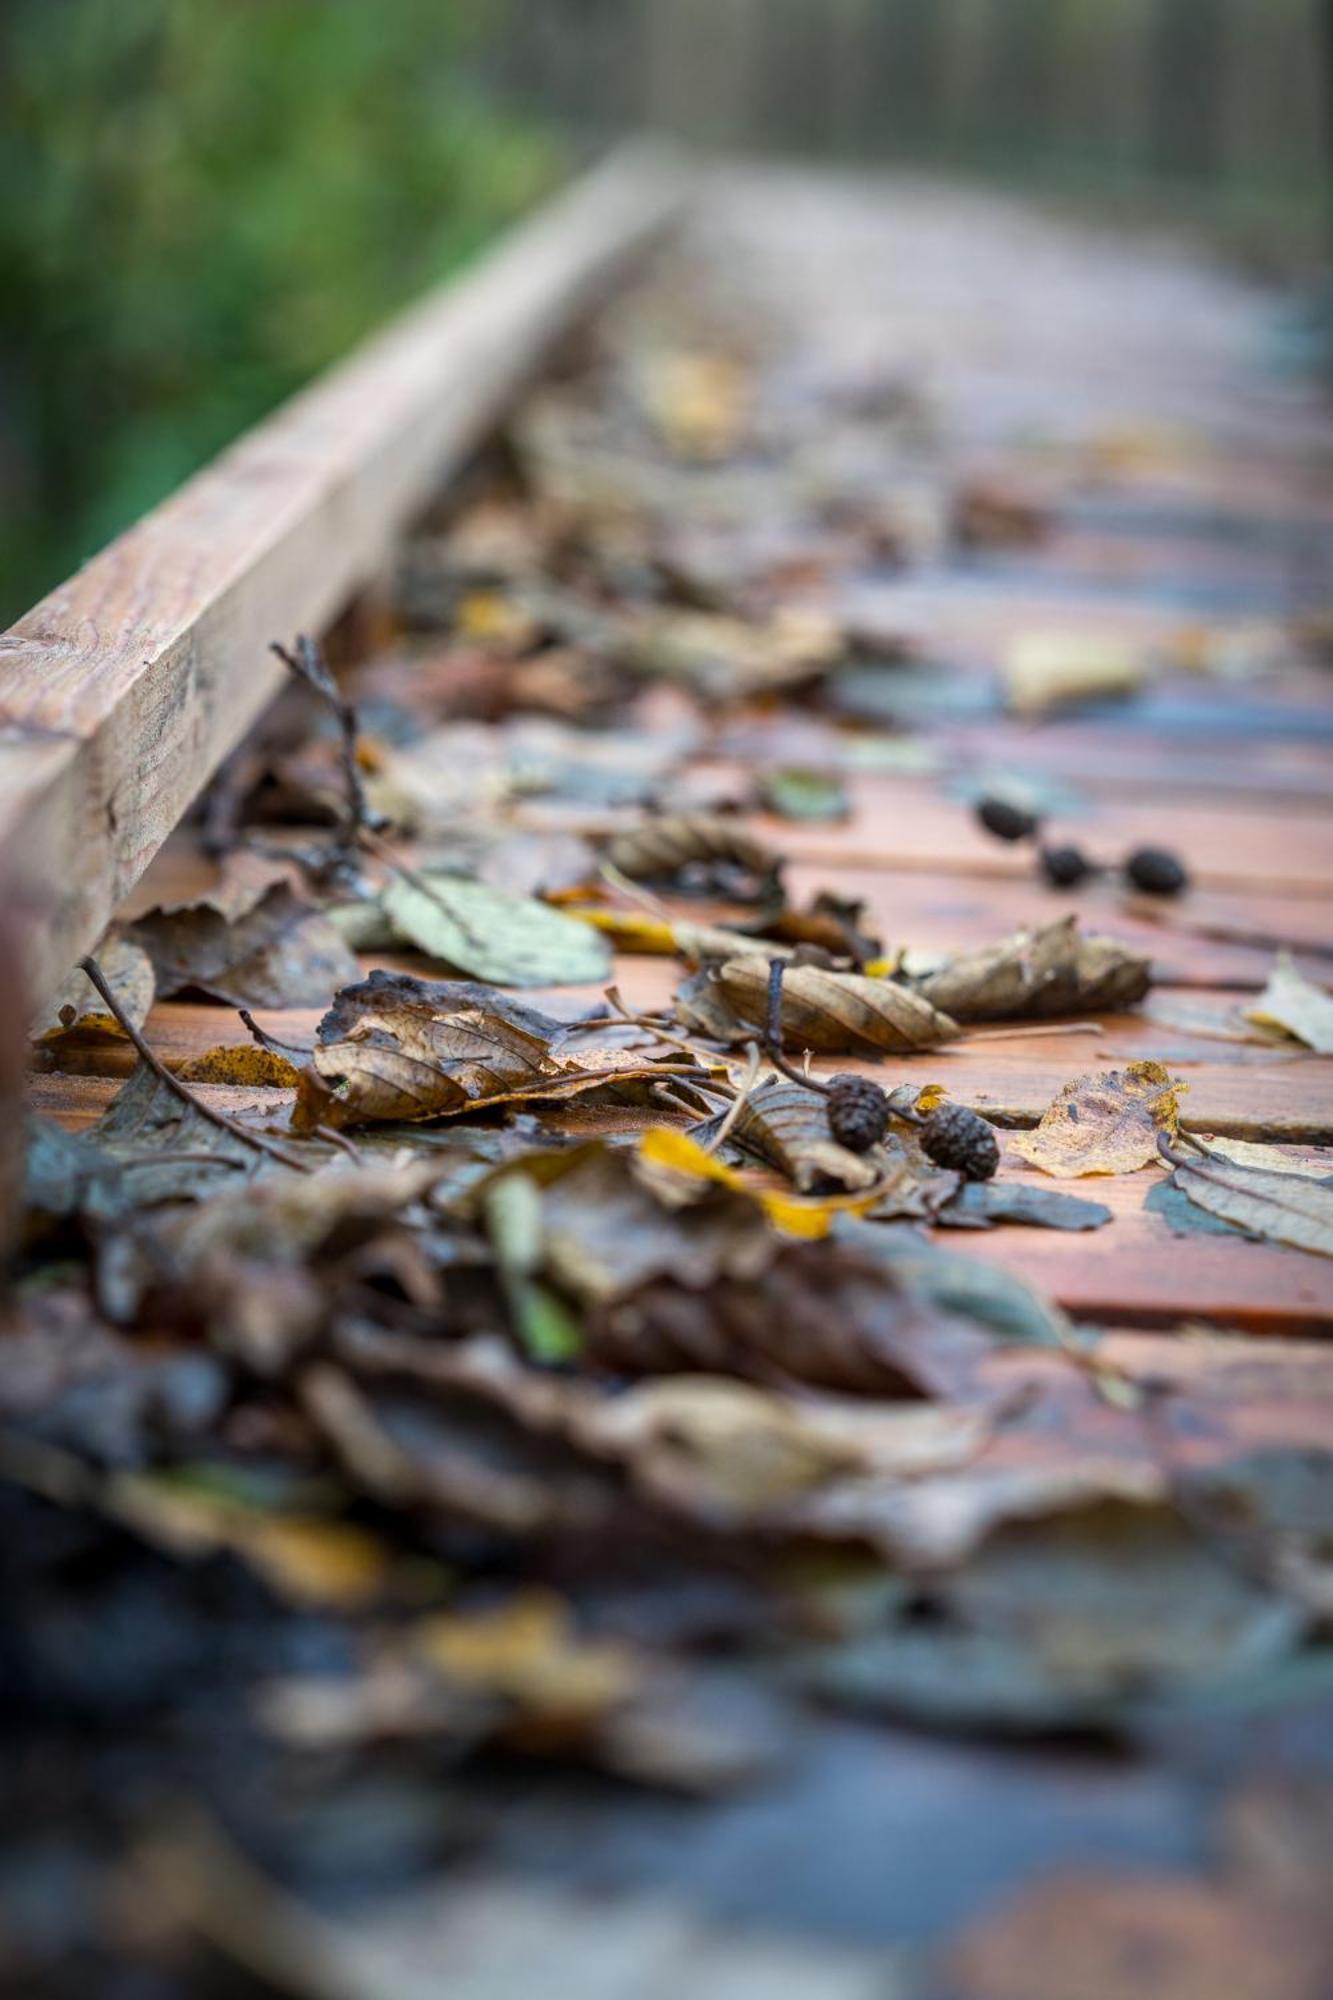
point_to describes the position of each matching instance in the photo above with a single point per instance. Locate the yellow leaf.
(1043, 669)
(1104, 1123)
(806, 1218)
(527, 1651)
(244, 1064)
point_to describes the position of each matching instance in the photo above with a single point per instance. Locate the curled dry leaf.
(661, 847)
(398, 1048)
(817, 1313)
(1294, 1006)
(1104, 1123)
(280, 952)
(1284, 1208)
(78, 1018)
(841, 1013)
(788, 1127)
(728, 659)
(1036, 975)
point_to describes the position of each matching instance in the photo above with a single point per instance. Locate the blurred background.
(206, 201)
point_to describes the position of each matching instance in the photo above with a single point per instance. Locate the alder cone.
(819, 1314)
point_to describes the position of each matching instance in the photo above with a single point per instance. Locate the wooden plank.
(905, 823)
(123, 690)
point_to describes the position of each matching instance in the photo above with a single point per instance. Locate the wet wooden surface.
(882, 1836)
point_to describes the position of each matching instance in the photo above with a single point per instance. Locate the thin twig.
(308, 664)
(271, 1042)
(341, 1141)
(738, 1102)
(97, 978)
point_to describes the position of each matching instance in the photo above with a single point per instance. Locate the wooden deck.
(1210, 516)
(1204, 523)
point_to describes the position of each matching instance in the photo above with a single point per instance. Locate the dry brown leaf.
(843, 1013)
(393, 1047)
(1294, 1006)
(1283, 1207)
(660, 847)
(280, 952)
(1104, 1123)
(1036, 975)
(78, 1018)
(787, 1126)
(818, 1313)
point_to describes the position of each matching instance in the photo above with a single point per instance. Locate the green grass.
(207, 201)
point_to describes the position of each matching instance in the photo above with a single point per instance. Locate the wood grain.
(123, 690)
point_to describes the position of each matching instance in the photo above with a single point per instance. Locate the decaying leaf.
(279, 953)
(512, 940)
(815, 1313)
(728, 659)
(1294, 1006)
(981, 1204)
(1285, 1208)
(842, 1013)
(788, 1127)
(1106, 1122)
(665, 847)
(398, 1048)
(78, 1018)
(1037, 975)
(243, 1063)
(1044, 669)
(1070, 1621)
(675, 1165)
(145, 1119)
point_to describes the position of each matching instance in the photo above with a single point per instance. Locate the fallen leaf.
(78, 1017)
(1037, 975)
(981, 1204)
(801, 792)
(1045, 669)
(837, 1012)
(1294, 1006)
(725, 659)
(511, 940)
(895, 1189)
(242, 1063)
(815, 1313)
(1106, 1122)
(718, 847)
(396, 1048)
(279, 953)
(526, 1650)
(1065, 1622)
(788, 1127)
(1279, 1159)
(1284, 1208)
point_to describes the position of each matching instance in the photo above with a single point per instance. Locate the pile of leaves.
(435, 1378)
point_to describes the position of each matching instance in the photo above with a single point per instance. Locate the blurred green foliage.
(206, 201)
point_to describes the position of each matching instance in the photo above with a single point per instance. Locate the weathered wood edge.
(122, 691)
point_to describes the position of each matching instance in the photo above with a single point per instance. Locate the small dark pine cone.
(1006, 820)
(1157, 871)
(956, 1137)
(1064, 866)
(858, 1112)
